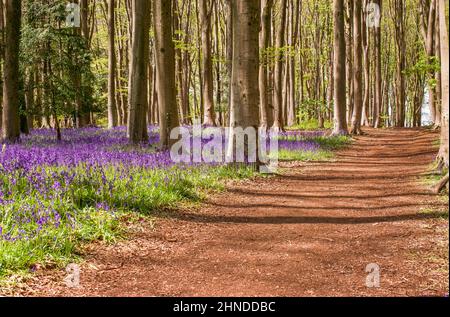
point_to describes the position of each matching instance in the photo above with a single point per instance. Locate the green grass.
(305, 156)
(328, 147)
(333, 143)
(311, 125)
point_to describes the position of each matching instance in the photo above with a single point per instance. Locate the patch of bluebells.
(41, 178)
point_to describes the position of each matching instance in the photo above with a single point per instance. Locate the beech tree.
(266, 114)
(378, 95)
(10, 119)
(278, 121)
(340, 121)
(112, 109)
(138, 103)
(443, 157)
(357, 70)
(165, 67)
(208, 85)
(245, 67)
(398, 12)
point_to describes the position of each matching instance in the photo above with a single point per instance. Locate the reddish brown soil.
(308, 232)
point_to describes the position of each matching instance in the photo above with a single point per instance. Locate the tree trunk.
(137, 121)
(2, 57)
(165, 61)
(207, 67)
(430, 50)
(11, 122)
(112, 109)
(245, 94)
(340, 121)
(401, 63)
(444, 149)
(266, 6)
(357, 70)
(378, 98)
(291, 120)
(278, 76)
(438, 81)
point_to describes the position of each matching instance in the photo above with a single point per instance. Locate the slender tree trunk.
(2, 57)
(165, 61)
(401, 63)
(229, 54)
(366, 67)
(263, 75)
(291, 120)
(431, 34)
(83, 117)
(438, 81)
(112, 109)
(278, 75)
(11, 122)
(207, 67)
(444, 149)
(357, 70)
(349, 55)
(340, 121)
(137, 121)
(378, 102)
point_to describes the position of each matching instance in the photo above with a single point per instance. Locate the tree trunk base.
(442, 183)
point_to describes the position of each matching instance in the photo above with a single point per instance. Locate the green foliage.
(60, 55)
(311, 125)
(305, 156)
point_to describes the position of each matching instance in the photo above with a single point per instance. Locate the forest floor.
(310, 231)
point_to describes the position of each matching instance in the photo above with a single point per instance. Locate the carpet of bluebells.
(56, 194)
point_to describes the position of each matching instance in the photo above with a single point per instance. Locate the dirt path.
(309, 232)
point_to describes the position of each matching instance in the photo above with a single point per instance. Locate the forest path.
(310, 232)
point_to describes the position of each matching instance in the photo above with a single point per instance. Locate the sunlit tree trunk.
(444, 149)
(165, 61)
(378, 97)
(264, 45)
(208, 86)
(340, 121)
(401, 63)
(357, 70)
(278, 73)
(245, 91)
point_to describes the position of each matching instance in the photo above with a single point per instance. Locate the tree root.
(442, 183)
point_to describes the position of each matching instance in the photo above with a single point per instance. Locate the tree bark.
(266, 6)
(138, 101)
(443, 156)
(401, 63)
(245, 94)
(10, 118)
(278, 76)
(357, 70)
(112, 108)
(378, 101)
(165, 68)
(207, 67)
(430, 50)
(340, 121)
